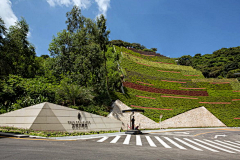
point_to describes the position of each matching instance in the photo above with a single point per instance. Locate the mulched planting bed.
(236, 91)
(236, 118)
(169, 71)
(235, 99)
(164, 91)
(133, 55)
(148, 55)
(179, 97)
(145, 97)
(163, 62)
(150, 108)
(216, 102)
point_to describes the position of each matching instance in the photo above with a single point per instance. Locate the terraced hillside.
(160, 86)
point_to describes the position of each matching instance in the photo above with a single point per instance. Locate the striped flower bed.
(145, 83)
(179, 97)
(174, 81)
(191, 88)
(236, 118)
(216, 102)
(168, 71)
(191, 75)
(235, 99)
(218, 82)
(145, 97)
(236, 91)
(142, 64)
(163, 62)
(164, 91)
(133, 55)
(150, 108)
(149, 55)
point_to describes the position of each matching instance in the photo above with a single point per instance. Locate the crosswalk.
(173, 142)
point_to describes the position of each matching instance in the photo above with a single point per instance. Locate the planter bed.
(150, 108)
(191, 88)
(145, 97)
(145, 83)
(179, 97)
(235, 99)
(142, 64)
(164, 91)
(236, 118)
(191, 75)
(216, 102)
(168, 71)
(174, 81)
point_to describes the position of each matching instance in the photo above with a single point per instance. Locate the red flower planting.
(218, 82)
(150, 108)
(236, 91)
(236, 118)
(235, 99)
(164, 91)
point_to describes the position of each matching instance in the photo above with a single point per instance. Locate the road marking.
(220, 136)
(182, 132)
(213, 150)
(138, 140)
(214, 146)
(174, 143)
(227, 144)
(127, 139)
(150, 141)
(233, 143)
(103, 139)
(187, 144)
(115, 139)
(205, 133)
(222, 145)
(162, 142)
(238, 141)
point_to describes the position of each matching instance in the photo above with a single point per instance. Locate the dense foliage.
(80, 72)
(221, 63)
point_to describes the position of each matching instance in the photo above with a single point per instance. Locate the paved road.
(187, 144)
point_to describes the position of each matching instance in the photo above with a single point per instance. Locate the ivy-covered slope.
(160, 86)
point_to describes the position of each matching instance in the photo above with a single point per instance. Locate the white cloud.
(103, 6)
(80, 3)
(6, 13)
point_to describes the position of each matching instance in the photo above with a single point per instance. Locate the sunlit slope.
(160, 86)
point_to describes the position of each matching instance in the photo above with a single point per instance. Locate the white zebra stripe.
(162, 142)
(103, 139)
(227, 144)
(222, 145)
(150, 141)
(127, 139)
(174, 143)
(187, 144)
(233, 143)
(210, 149)
(138, 140)
(214, 146)
(115, 139)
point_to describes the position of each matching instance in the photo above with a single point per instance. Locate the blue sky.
(174, 27)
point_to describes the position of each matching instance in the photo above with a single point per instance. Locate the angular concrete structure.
(198, 117)
(49, 116)
(140, 120)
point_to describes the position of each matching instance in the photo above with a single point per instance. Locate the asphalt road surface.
(180, 144)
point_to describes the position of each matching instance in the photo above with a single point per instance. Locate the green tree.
(17, 54)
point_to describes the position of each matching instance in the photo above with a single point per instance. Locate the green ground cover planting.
(220, 92)
(153, 59)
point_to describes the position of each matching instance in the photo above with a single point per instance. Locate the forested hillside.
(222, 63)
